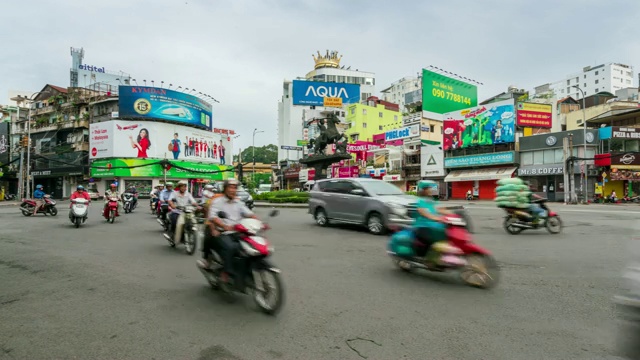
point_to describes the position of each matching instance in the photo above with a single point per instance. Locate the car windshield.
(381, 188)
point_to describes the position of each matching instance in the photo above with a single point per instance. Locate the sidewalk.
(9, 203)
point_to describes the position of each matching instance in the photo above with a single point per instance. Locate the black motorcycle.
(129, 201)
(518, 220)
(189, 230)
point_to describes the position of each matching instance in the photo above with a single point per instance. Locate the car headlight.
(398, 209)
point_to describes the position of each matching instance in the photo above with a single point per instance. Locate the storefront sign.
(402, 133)
(431, 161)
(628, 175)
(346, 172)
(534, 115)
(625, 133)
(540, 170)
(506, 157)
(551, 140)
(626, 161)
(41, 173)
(306, 175)
(392, 178)
(480, 174)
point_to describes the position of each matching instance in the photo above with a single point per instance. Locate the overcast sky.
(239, 51)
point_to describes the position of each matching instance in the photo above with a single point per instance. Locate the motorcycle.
(475, 264)
(153, 205)
(163, 215)
(634, 199)
(111, 210)
(187, 230)
(518, 220)
(251, 266)
(79, 211)
(129, 203)
(49, 206)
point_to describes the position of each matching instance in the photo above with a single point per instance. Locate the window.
(597, 81)
(380, 127)
(549, 156)
(597, 90)
(441, 130)
(353, 110)
(354, 137)
(559, 156)
(577, 79)
(568, 82)
(568, 90)
(380, 114)
(364, 111)
(433, 128)
(527, 158)
(395, 117)
(585, 76)
(538, 158)
(364, 125)
(596, 73)
(585, 85)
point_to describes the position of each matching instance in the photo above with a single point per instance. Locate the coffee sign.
(541, 171)
(625, 133)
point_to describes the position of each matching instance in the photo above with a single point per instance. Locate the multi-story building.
(374, 118)
(397, 91)
(608, 77)
(291, 118)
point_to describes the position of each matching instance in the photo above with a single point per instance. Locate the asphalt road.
(120, 292)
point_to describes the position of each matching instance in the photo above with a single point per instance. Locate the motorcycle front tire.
(77, 222)
(53, 211)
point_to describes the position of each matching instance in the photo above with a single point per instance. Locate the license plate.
(79, 206)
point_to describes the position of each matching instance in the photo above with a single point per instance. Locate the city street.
(120, 292)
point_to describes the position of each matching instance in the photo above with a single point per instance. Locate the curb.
(8, 203)
(281, 205)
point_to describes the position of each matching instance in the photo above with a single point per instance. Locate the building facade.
(399, 89)
(364, 121)
(608, 77)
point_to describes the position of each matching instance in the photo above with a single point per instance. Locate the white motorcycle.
(79, 211)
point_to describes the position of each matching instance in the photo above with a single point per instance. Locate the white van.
(263, 188)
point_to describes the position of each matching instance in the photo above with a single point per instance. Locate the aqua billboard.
(151, 103)
(314, 93)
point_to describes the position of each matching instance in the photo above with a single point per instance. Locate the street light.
(253, 150)
(584, 140)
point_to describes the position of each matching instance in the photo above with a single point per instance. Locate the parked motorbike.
(475, 264)
(79, 211)
(251, 266)
(187, 230)
(9, 197)
(634, 199)
(49, 206)
(518, 220)
(111, 210)
(128, 202)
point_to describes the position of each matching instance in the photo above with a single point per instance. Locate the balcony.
(43, 110)
(70, 124)
(411, 119)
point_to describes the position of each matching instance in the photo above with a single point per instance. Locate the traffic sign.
(288, 147)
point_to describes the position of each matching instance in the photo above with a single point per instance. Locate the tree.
(264, 154)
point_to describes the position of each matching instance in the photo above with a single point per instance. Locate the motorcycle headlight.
(250, 198)
(398, 209)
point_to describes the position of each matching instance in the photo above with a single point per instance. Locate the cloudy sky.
(239, 51)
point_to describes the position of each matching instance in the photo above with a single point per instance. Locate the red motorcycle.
(476, 265)
(48, 207)
(111, 210)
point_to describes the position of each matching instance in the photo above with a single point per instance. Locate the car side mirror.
(222, 215)
(274, 213)
(358, 192)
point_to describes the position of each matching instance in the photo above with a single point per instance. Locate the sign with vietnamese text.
(332, 102)
(313, 93)
(442, 94)
(534, 115)
(4, 143)
(506, 157)
(289, 147)
(402, 133)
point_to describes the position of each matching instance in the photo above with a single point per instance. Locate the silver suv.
(373, 203)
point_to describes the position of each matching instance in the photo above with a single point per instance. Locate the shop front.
(478, 173)
(59, 182)
(546, 180)
(145, 174)
(291, 177)
(621, 173)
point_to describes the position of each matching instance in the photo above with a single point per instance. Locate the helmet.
(426, 184)
(208, 194)
(182, 182)
(209, 187)
(80, 187)
(229, 182)
(113, 185)
(38, 186)
(169, 184)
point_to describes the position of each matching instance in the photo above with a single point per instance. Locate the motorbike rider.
(132, 190)
(38, 197)
(534, 208)
(155, 193)
(224, 243)
(179, 198)
(164, 197)
(80, 193)
(428, 225)
(112, 192)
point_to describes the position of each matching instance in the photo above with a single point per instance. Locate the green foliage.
(264, 154)
(412, 193)
(283, 196)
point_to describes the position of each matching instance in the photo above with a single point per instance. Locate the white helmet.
(182, 182)
(208, 194)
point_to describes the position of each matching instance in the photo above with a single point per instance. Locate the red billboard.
(534, 115)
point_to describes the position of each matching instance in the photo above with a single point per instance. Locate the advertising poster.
(534, 115)
(163, 104)
(442, 94)
(225, 150)
(112, 168)
(481, 125)
(346, 172)
(431, 161)
(4, 143)
(313, 93)
(154, 140)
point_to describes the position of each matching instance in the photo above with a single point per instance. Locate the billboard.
(124, 168)
(163, 104)
(431, 161)
(5, 148)
(481, 125)
(313, 93)
(402, 133)
(534, 115)
(499, 158)
(225, 150)
(442, 94)
(154, 140)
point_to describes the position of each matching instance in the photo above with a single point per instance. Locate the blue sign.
(151, 103)
(507, 157)
(402, 133)
(312, 93)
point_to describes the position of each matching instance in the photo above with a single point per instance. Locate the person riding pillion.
(178, 199)
(219, 231)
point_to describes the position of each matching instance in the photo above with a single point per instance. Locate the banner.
(442, 94)
(5, 148)
(112, 169)
(163, 104)
(154, 140)
(313, 93)
(534, 115)
(225, 151)
(346, 172)
(481, 125)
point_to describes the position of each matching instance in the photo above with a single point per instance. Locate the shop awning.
(480, 174)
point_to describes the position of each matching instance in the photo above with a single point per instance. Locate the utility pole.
(565, 156)
(572, 178)
(583, 169)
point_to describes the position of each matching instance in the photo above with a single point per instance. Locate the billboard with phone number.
(442, 94)
(151, 103)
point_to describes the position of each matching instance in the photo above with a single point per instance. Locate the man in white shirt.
(178, 199)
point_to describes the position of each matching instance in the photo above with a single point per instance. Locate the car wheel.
(375, 224)
(321, 217)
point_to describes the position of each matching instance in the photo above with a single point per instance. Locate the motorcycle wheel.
(189, 242)
(403, 265)
(277, 289)
(112, 216)
(481, 271)
(77, 222)
(27, 210)
(510, 228)
(127, 208)
(554, 225)
(53, 211)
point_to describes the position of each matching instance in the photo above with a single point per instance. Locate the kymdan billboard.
(313, 93)
(155, 140)
(163, 104)
(481, 125)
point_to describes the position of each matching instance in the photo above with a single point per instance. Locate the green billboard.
(442, 94)
(142, 168)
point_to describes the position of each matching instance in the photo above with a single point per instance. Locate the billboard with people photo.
(154, 140)
(481, 125)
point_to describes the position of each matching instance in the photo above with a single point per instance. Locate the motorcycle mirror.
(222, 215)
(274, 213)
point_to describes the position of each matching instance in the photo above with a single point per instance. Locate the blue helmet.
(80, 187)
(38, 186)
(426, 184)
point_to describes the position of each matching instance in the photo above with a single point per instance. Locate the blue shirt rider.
(165, 194)
(427, 224)
(38, 196)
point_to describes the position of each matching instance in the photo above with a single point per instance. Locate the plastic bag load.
(513, 205)
(401, 243)
(511, 181)
(512, 187)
